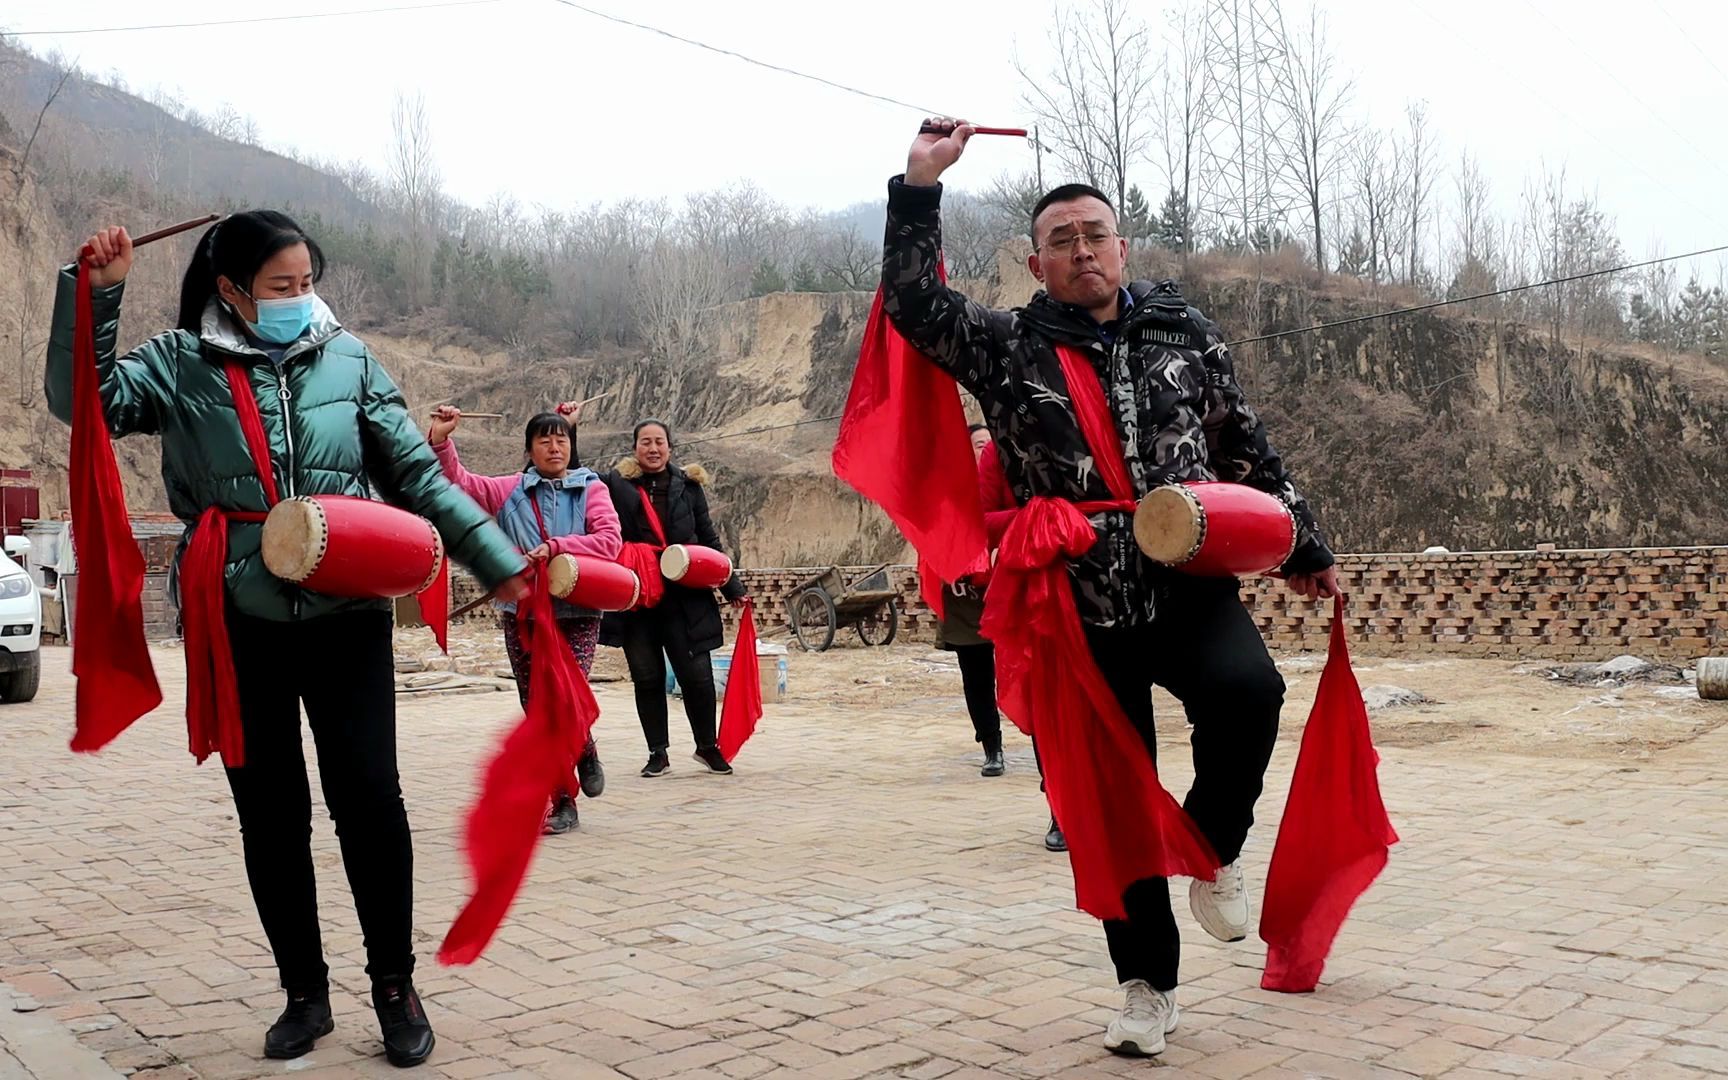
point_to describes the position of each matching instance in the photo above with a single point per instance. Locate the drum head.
(675, 563)
(1169, 525)
(295, 536)
(561, 574)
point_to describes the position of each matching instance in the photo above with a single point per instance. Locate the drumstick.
(151, 237)
(173, 230)
(932, 129)
(481, 415)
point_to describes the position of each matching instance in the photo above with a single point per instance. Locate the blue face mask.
(282, 320)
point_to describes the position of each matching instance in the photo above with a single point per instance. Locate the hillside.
(1446, 427)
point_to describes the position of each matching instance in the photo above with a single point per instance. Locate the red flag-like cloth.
(531, 765)
(116, 681)
(743, 705)
(435, 606)
(1333, 840)
(903, 446)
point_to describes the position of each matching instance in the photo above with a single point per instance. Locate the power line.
(248, 21)
(1478, 296)
(1690, 39)
(1511, 71)
(620, 20)
(1633, 94)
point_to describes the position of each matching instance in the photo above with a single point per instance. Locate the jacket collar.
(221, 330)
(1074, 324)
(578, 477)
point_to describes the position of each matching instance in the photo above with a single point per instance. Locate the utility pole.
(1038, 154)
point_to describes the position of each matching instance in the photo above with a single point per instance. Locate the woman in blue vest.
(578, 517)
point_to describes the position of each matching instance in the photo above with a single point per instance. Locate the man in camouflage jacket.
(1181, 416)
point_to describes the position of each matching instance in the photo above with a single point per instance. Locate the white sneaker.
(1146, 1017)
(1221, 905)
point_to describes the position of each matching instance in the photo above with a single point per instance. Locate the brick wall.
(1565, 605)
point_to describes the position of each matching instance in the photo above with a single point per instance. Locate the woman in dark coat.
(685, 627)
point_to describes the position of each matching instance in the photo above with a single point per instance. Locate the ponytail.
(199, 284)
(236, 248)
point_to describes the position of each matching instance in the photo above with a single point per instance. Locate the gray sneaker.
(1147, 1016)
(1221, 905)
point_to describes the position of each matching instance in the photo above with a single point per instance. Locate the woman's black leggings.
(978, 679)
(646, 650)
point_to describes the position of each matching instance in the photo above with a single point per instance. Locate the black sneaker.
(1054, 840)
(710, 758)
(563, 816)
(590, 772)
(408, 1038)
(658, 764)
(305, 1020)
(994, 765)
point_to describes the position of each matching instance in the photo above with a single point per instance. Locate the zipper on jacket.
(285, 395)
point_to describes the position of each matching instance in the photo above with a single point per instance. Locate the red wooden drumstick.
(932, 129)
(172, 230)
(151, 237)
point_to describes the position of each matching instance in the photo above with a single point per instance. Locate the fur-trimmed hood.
(630, 469)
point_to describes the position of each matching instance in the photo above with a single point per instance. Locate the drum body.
(1215, 529)
(592, 583)
(695, 567)
(341, 545)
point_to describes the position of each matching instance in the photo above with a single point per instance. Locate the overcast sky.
(560, 108)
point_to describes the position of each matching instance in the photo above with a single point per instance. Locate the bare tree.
(1095, 104)
(1374, 180)
(414, 183)
(1182, 114)
(344, 288)
(66, 73)
(1416, 151)
(1315, 97)
(678, 283)
(1474, 234)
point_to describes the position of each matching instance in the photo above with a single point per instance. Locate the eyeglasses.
(1066, 245)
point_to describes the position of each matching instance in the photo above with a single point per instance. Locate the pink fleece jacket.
(604, 538)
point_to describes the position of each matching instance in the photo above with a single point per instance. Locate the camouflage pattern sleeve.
(1240, 452)
(968, 340)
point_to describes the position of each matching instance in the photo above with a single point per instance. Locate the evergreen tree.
(767, 279)
(1174, 224)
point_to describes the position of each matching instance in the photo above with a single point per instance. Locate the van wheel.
(17, 687)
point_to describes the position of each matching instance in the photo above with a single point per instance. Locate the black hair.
(1063, 194)
(236, 248)
(551, 423)
(975, 429)
(651, 422)
(547, 423)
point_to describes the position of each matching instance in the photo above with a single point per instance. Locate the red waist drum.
(1215, 529)
(695, 567)
(341, 545)
(593, 583)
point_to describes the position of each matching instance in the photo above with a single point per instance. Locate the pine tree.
(1354, 256)
(1174, 224)
(767, 279)
(1136, 220)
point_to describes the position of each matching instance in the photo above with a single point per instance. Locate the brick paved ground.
(856, 902)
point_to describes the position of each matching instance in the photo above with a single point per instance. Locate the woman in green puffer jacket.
(336, 425)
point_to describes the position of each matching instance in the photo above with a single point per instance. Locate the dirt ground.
(1472, 705)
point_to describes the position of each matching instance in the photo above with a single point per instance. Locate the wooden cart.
(821, 606)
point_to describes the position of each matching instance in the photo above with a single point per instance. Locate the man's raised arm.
(967, 339)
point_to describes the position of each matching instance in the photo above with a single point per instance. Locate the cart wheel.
(880, 626)
(814, 620)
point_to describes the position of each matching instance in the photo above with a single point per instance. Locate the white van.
(20, 626)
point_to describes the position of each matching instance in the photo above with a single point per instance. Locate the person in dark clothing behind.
(957, 632)
(685, 627)
(1180, 414)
